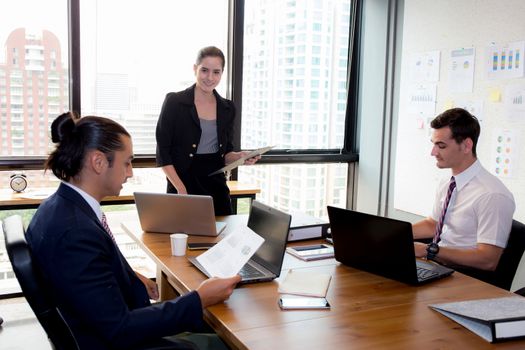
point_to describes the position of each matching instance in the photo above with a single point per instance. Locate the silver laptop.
(265, 265)
(169, 213)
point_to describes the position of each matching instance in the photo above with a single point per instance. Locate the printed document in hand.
(241, 160)
(226, 258)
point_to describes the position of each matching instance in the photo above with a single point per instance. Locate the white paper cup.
(178, 244)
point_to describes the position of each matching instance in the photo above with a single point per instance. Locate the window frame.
(348, 153)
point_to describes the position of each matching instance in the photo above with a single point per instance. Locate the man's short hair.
(462, 124)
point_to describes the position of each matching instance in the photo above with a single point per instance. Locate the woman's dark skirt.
(197, 181)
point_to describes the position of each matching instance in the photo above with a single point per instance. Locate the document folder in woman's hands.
(241, 160)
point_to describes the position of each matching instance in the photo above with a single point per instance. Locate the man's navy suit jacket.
(97, 292)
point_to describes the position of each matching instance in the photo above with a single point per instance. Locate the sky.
(155, 42)
(34, 15)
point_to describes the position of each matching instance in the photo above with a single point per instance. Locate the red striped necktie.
(439, 226)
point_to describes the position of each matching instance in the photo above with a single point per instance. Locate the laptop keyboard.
(248, 271)
(423, 274)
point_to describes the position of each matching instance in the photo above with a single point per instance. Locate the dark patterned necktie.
(106, 227)
(439, 226)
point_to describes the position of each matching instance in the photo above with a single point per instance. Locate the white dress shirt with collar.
(480, 209)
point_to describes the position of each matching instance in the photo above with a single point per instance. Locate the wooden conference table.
(368, 311)
(32, 199)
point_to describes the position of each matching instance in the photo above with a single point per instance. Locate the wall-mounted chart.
(424, 66)
(461, 70)
(514, 100)
(422, 99)
(503, 147)
(505, 61)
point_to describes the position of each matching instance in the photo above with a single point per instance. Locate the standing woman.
(195, 134)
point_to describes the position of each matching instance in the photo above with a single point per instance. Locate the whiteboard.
(460, 53)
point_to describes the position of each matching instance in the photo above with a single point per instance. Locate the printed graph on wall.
(505, 61)
(514, 100)
(503, 152)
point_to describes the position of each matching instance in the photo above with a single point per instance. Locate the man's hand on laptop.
(215, 290)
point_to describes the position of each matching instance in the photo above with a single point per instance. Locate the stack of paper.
(305, 283)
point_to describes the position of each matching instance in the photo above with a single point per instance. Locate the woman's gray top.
(208, 142)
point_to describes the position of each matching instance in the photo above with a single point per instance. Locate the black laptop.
(265, 265)
(380, 245)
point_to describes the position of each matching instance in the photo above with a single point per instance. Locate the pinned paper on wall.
(424, 66)
(503, 152)
(514, 101)
(475, 107)
(505, 61)
(420, 122)
(461, 70)
(422, 99)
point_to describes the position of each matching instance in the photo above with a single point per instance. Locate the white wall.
(444, 26)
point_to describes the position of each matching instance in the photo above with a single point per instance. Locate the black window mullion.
(74, 55)
(351, 138)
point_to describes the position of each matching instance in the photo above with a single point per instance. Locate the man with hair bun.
(105, 303)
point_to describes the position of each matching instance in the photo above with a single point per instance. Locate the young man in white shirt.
(477, 220)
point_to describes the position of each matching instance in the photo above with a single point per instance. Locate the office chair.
(33, 288)
(518, 283)
(508, 264)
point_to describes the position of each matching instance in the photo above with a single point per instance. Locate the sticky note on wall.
(495, 95)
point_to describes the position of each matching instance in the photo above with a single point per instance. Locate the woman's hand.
(181, 189)
(233, 156)
(249, 161)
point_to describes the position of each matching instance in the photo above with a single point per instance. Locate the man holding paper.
(104, 302)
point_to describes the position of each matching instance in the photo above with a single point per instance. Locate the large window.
(33, 74)
(134, 52)
(306, 188)
(295, 69)
(295, 73)
(34, 88)
(294, 59)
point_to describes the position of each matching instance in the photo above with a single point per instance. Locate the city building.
(33, 90)
(294, 97)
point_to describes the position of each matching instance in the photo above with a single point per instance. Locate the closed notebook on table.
(305, 283)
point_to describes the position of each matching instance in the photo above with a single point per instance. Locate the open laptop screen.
(374, 244)
(273, 225)
(169, 213)
(379, 245)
